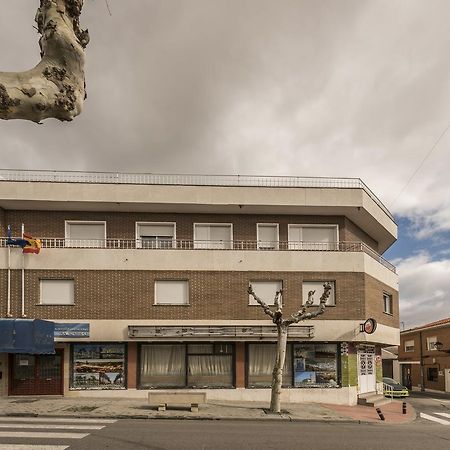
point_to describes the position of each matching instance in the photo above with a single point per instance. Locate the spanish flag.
(28, 243)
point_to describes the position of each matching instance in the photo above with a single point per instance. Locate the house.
(424, 356)
(145, 278)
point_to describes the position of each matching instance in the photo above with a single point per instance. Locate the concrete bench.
(162, 399)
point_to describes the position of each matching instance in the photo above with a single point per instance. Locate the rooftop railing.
(189, 180)
(184, 244)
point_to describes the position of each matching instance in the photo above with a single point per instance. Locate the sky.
(281, 87)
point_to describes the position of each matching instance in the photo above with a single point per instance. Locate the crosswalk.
(46, 433)
(438, 417)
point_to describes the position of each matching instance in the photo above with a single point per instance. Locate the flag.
(28, 243)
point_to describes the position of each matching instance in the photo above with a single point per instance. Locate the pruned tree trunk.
(55, 87)
(282, 329)
(277, 378)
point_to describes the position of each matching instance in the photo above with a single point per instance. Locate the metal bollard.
(380, 414)
(404, 408)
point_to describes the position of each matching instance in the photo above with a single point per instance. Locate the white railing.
(388, 391)
(189, 180)
(186, 244)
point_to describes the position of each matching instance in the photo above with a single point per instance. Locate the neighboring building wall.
(435, 360)
(352, 232)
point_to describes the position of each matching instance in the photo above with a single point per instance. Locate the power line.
(421, 164)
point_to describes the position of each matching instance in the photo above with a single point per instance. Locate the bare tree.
(282, 329)
(55, 87)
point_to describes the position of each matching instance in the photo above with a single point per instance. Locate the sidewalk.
(213, 410)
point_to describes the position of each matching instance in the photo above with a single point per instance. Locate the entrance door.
(36, 374)
(366, 369)
(447, 380)
(406, 375)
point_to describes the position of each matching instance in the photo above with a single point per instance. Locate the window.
(57, 292)
(267, 235)
(432, 373)
(387, 303)
(409, 346)
(265, 290)
(98, 366)
(85, 234)
(431, 343)
(313, 237)
(199, 365)
(155, 235)
(261, 359)
(213, 236)
(318, 287)
(171, 292)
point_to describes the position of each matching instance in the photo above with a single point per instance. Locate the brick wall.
(213, 295)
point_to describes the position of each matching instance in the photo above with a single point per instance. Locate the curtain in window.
(210, 371)
(261, 359)
(163, 365)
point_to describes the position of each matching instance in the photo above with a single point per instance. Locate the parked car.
(394, 389)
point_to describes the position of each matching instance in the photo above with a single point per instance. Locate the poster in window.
(98, 366)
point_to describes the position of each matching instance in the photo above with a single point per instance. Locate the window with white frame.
(171, 292)
(155, 235)
(387, 303)
(265, 290)
(409, 346)
(85, 233)
(267, 235)
(213, 235)
(312, 237)
(57, 292)
(431, 343)
(317, 287)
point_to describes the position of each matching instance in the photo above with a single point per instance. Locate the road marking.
(434, 419)
(33, 447)
(50, 425)
(444, 415)
(54, 419)
(42, 435)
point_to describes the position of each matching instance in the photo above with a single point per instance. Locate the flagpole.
(8, 308)
(23, 277)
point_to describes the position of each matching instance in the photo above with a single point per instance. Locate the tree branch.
(277, 302)
(303, 315)
(261, 302)
(55, 87)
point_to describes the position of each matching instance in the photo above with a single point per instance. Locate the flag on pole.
(28, 243)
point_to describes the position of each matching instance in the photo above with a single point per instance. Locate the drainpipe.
(422, 375)
(8, 308)
(23, 277)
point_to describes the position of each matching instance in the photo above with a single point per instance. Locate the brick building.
(424, 356)
(146, 277)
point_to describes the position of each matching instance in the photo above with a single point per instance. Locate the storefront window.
(163, 365)
(315, 365)
(186, 365)
(98, 366)
(261, 359)
(210, 365)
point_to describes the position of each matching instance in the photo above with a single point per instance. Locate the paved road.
(431, 407)
(224, 435)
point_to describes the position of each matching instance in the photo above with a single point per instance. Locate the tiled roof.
(431, 324)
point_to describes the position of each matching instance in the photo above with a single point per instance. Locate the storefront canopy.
(27, 336)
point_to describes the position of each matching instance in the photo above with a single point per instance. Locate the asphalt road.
(246, 435)
(431, 406)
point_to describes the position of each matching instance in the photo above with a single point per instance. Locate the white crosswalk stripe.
(444, 415)
(45, 433)
(436, 419)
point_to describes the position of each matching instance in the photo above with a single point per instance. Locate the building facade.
(424, 356)
(146, 278)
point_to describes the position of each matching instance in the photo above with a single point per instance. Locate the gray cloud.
(350, 88)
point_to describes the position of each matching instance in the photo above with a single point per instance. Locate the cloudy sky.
(281, 87)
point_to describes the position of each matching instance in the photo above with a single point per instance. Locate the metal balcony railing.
(185, 244)
(189, 180)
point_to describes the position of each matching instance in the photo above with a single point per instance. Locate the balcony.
(238, 245)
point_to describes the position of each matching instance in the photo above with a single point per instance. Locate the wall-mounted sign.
(368, 327)
(71, 330)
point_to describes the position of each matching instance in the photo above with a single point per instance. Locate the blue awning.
(27, 336)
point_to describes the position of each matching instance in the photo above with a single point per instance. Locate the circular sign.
(369, 326)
